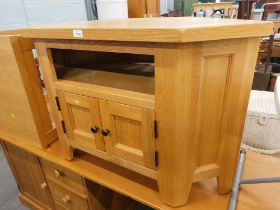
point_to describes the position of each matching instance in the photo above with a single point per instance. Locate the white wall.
(163, 6)
(170, 4)
(166, 5)
(21, 13)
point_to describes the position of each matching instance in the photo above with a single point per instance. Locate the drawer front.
(66, 198)
(58, 206)
(63, 176)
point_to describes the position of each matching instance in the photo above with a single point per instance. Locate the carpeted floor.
(8, 187)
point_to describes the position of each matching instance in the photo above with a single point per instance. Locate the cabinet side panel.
(211, 95)
(202, 92)
(217, 59)
(234, 111)
(16, 119)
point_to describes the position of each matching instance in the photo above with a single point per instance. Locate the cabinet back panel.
(104, 61)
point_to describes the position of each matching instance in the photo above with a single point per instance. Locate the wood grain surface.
(172, 29)
(203, 195)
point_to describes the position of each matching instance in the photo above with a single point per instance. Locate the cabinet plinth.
(161, 97)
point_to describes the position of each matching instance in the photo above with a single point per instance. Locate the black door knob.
(105, 132)
(94, 129)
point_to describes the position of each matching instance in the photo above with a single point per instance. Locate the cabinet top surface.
(172, 29)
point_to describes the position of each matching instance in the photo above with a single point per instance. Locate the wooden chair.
(245, 9)
(227, 9)
(263, 66)
(238, 181)
(268, 8)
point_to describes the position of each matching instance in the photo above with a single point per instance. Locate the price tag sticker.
(78, 33)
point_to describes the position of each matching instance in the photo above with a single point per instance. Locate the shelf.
(123, 80)
(125, 87)
(119, 77)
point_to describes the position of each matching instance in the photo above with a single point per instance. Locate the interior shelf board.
(124, 81)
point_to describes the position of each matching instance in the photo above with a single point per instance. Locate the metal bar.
(234, 194)
(260, 180)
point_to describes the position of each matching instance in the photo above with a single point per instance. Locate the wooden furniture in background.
(203, 194)
(227, 8)
(23, 114)
(272, 82)
(45, 185)
(245, 9)
(143, 8)
(263, 67)
(264, 79)
(270, 7)
(29, 175)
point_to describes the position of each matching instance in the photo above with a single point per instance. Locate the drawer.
(67, 198)
(63, 176)
(58, 206)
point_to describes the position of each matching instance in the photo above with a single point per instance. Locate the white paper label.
(78, 33)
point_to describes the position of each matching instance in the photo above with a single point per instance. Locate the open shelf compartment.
(131, 72)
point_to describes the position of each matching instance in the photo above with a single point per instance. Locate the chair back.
(277, 96)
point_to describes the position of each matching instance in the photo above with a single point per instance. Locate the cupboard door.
(29, 175)
(130, 134)
(82, 119)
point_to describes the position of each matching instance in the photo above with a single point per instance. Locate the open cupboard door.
(128, 133)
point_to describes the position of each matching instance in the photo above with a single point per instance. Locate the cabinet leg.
(175, 193)
(225, 183)
(176, 113)
(226, 177)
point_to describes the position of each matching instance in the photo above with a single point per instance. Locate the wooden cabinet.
(49, 186)
(126, 131)
(138, 92)
(163, 77)
(29, 175)
(143, 8)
